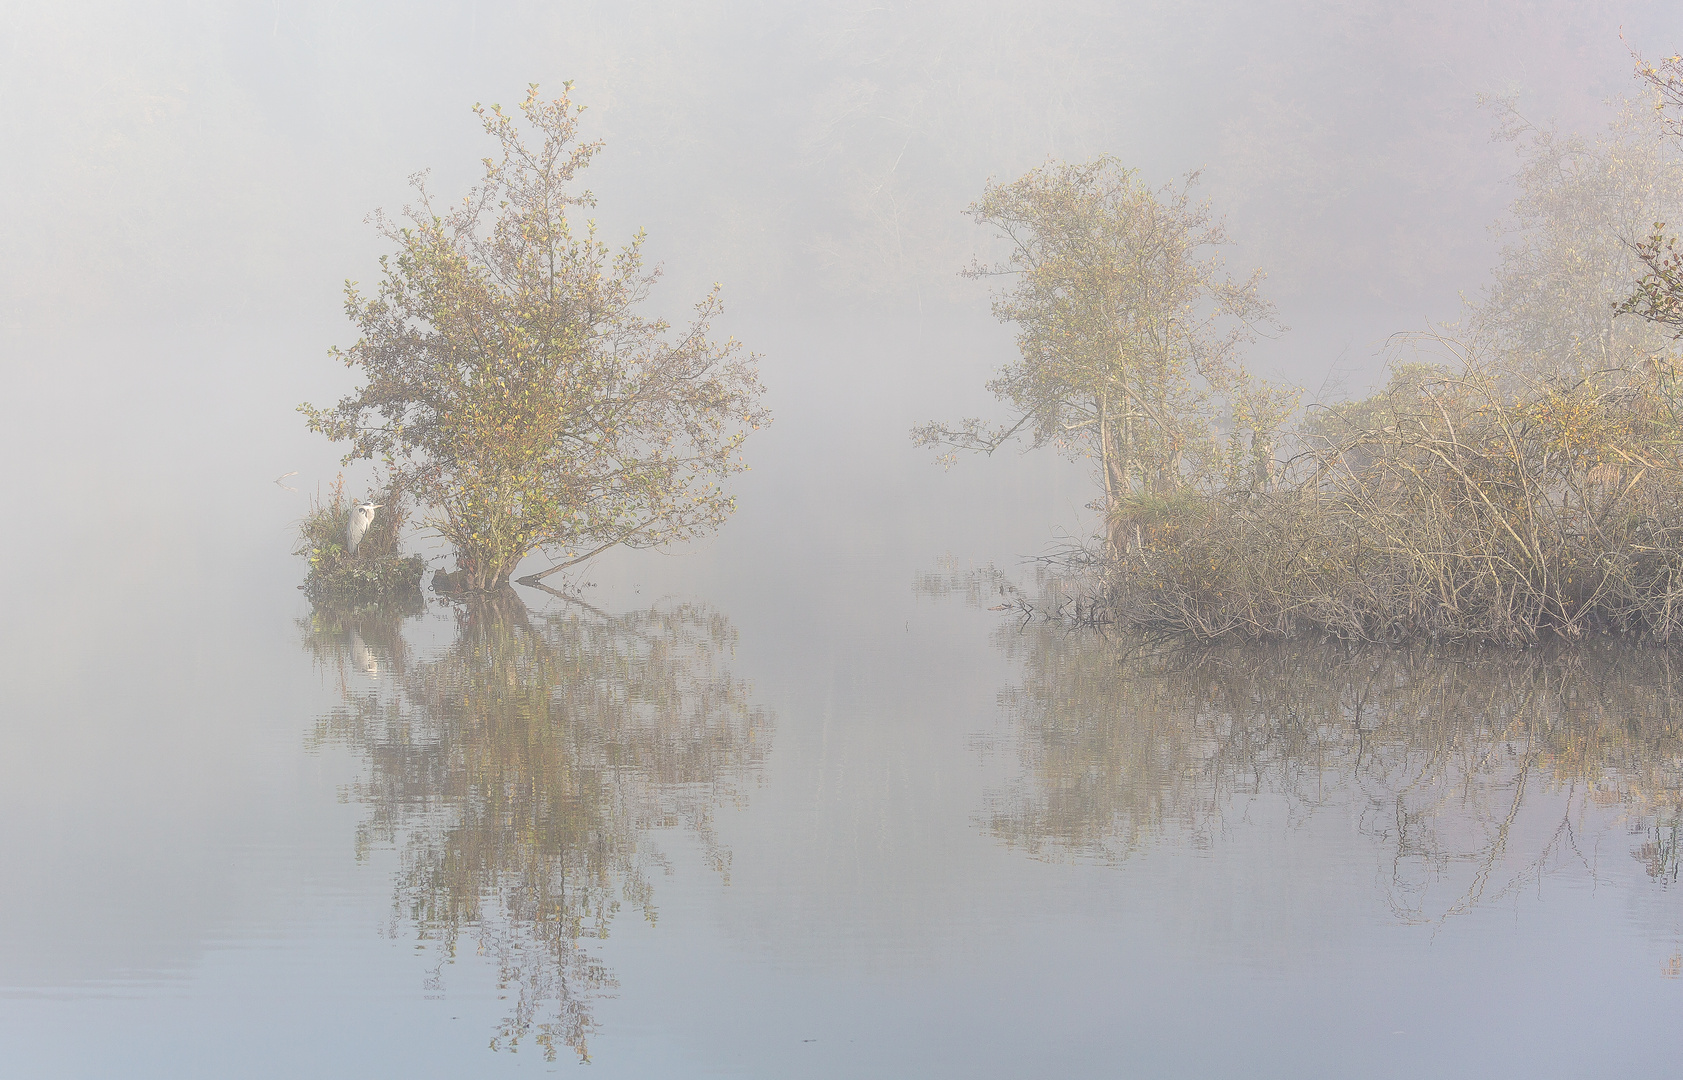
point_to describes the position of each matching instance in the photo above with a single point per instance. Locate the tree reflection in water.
(1475, 770)
(520, 771)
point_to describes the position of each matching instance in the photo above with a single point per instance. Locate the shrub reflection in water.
(520, 770)
(1474, 770)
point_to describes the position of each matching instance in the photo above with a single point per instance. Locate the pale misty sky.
(187, 185)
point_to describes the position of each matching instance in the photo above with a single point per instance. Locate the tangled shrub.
(1451, 506)
(377, 572)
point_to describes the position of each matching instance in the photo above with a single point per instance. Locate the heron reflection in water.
(362, 657)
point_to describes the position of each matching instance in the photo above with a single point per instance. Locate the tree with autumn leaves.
(511, 383)
(1127, 327)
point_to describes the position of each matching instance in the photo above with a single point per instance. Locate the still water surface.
(845, 824)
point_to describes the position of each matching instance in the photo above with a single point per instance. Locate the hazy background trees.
(1569, 256)
(1659, 296)
(1331, 136)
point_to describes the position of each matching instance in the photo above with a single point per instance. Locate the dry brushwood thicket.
(1459, 505)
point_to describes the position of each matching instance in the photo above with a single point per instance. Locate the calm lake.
(737, 814)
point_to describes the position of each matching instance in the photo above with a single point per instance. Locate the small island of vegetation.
(1519, 477)
(512, 389)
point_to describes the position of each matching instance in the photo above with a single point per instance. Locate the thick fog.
(186, 187)
(181, 161)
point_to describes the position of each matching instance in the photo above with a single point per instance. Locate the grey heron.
(361, 518)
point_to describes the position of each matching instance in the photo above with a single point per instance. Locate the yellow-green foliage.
(513, 385)
(377, 572)
(1128, 329)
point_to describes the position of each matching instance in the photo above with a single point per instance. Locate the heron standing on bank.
(361, 518)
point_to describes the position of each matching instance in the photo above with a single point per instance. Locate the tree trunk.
(1125, 458)
(1107, 465)
(479, 570)
(1105, 454)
